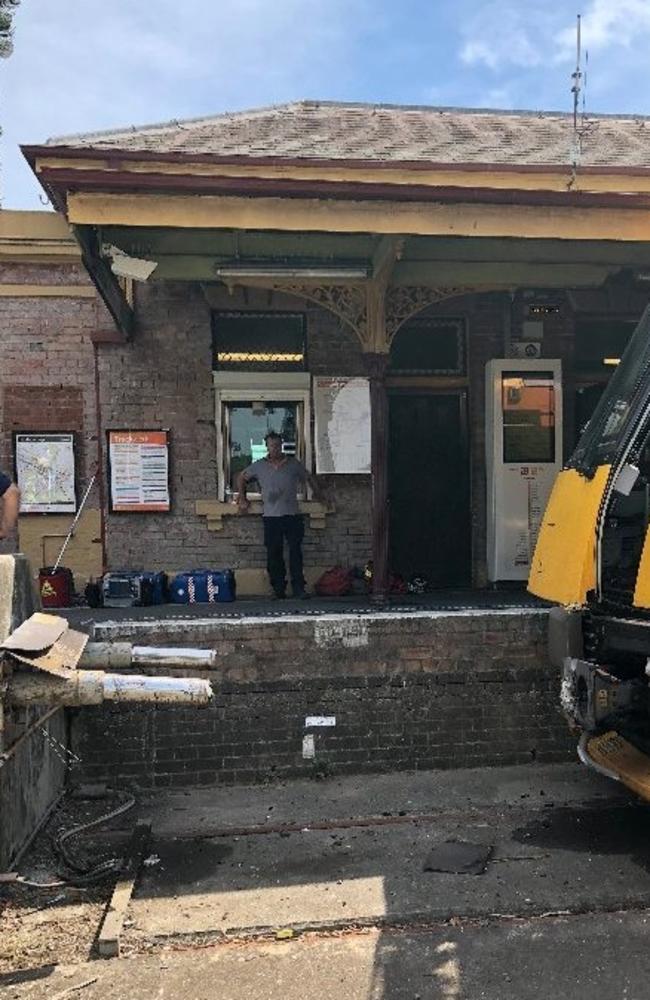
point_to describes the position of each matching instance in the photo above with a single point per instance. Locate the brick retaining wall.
(418, 690)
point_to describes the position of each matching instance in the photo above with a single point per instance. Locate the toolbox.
(130, 589)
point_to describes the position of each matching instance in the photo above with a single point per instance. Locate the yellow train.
(592, 559)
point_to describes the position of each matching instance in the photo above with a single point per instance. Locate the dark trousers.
(276, 529)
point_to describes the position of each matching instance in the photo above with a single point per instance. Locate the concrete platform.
(86, 619)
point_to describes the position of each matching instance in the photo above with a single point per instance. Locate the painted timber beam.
(569, 221)
(105, 281)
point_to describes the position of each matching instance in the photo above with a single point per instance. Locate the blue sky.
(85, 65)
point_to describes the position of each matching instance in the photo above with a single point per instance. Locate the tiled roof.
(316, 130)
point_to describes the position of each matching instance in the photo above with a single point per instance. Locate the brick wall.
(47, 384)
(411, 691)
(164, 379)
(46, 361)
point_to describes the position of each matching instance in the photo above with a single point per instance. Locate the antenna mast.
(576, 145)
(577, 78)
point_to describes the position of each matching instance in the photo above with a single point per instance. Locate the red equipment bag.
(335, 582)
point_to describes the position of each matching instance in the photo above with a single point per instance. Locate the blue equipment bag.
(130, 588)
(203, 586)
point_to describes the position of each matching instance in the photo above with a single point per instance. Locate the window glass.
(248, 341)
(528, 403)
(618, 405)
(429, 347)
(599, 342)
(246, 426)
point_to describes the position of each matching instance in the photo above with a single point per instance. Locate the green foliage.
(7, 9)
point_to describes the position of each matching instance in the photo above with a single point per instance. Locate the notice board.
(45, 473)
(342, 425)
(139, 471)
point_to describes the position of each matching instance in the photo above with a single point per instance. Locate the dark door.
(428, 479)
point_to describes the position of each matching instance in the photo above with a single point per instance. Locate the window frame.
(267, 387)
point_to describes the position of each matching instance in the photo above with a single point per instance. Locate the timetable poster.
(139, 471)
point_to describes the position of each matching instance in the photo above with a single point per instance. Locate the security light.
(125, 266)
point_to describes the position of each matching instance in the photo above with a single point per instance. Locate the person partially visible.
(10, 505)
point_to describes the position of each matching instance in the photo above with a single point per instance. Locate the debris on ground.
(458, 858)
(48, 926)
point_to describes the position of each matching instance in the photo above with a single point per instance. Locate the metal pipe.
(119, 655)
(92, 687)
(170, 656)
(166, 690)
(75, 522)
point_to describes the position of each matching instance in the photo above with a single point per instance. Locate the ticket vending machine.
(523, 433)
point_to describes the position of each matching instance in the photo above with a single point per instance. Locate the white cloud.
(608, 24)
(505, 34)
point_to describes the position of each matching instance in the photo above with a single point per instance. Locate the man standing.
(10, 500)
(279, 477)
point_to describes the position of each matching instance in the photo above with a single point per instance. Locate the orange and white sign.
(139, 471)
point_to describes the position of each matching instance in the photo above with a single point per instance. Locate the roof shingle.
(314, 130)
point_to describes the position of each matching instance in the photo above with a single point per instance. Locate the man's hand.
(243, 503)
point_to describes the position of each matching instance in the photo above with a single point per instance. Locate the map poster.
(139, 471)
(342, 425)
(45, 473)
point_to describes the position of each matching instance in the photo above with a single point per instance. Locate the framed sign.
(342, 424)
(138, 467)
(45, 472)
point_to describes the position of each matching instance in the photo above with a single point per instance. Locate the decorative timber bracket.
(105, 281)
(373, 307)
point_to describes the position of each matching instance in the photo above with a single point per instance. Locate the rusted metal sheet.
(60, 659)
(36, 634)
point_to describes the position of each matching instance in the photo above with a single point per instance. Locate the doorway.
(429, 488)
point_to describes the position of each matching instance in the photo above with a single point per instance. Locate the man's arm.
(10, 509)
(242, 500)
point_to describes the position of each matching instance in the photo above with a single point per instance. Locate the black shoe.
(278, 595)
(301, 595)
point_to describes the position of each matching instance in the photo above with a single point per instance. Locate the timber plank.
(108, 942)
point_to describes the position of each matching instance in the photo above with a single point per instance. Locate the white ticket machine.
(523, 434)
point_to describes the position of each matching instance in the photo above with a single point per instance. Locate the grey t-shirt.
(278, 485)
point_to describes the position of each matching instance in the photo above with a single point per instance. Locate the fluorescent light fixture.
(125, 266)
(233, 272)
(262, 356)
(611, 361)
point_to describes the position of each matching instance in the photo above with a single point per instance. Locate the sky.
(87, 65)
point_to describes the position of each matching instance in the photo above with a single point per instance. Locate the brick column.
(376, 366)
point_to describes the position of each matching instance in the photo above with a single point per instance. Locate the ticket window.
(524, 454)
